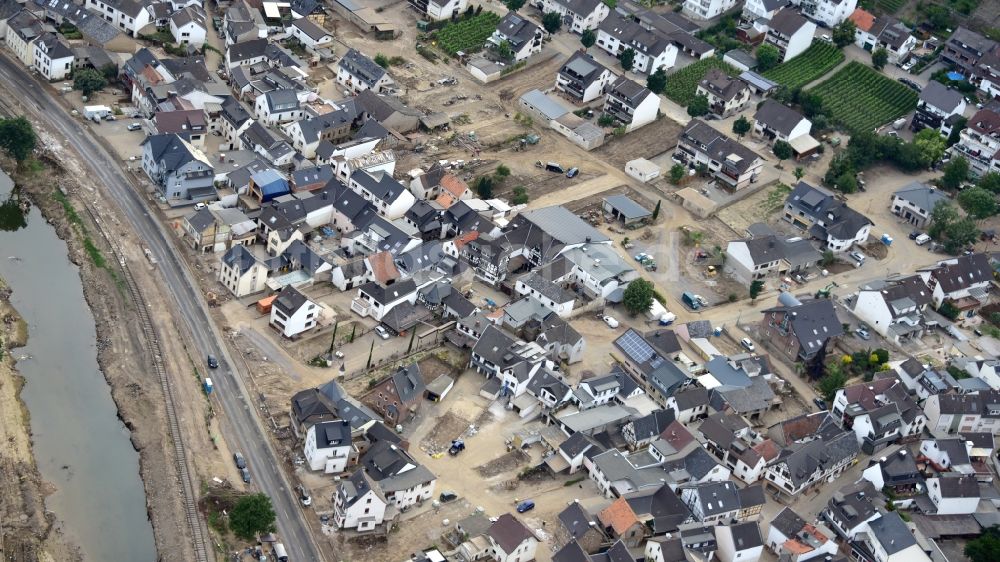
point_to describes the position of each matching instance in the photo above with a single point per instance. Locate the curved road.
(245, 431)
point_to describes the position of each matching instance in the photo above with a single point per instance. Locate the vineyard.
(816, 61)
(682, 85)
(862, 99)
(467, 35)
(890, 6)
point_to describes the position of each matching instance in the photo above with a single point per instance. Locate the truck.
(207, 385)
(691, 300)
(278, 550)
(922, 239)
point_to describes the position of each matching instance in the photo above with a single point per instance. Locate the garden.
(817, 60)
(467, 35)
(682, 85)
(862, 99)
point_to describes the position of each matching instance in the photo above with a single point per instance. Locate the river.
(80, 445)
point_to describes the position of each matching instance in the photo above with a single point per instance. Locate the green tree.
(798, 172)
(606, 120)
(88, 81)
(382, 60)
(843, 34)
(782, 150)
(827, 259)
(931, 146)
(484, 187)
(18, 138)
(611, 3)
(520, 195)
(811, 102)
(504, 50)
(879, 57)
(847, 182)
(756, 287)
(657, 81)
(551, 21)
(956, 131)
(638, 296)
(985, 547)
(677, 173)
(741, 126)
(627, 58)
(956, 171)
(833, 381)
(588, 38)
(501, 172)
(698, 106)
(513, 5)
(978, 203)
(768, 56)
(252, 515)
(990, 181)
(949, 310)
(954, 232)
(110, 72)
(656, 210)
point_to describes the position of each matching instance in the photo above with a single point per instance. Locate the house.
(702, 10)
(128, 15)
(689, 405)
(883, 32)
(631, 104)
(187, 26)
(954, 495)
(292, 313)
(277, 107)
(438, 10)
(894, 308)
(827, 219)
(642, 431)
(358, 73)
(582, 79)
(775, 121)
(659, 509)
(397, 397)
(521, 36)
(963, 281)
(403, 480)
(391, 199)
(714, 502)
(897, 473)
(887, 539)
(576, 524)
(580, 131)
(241, 272)
(728, 438)
(739, 542)
(735, 165)
(388, 110)
(979, 142)
(329, 402)
(180, 170)
(814, 449)
(754, 10)
(852, 507)
(658, 374)
(622, 524)
(578, 15)
(312, 36)
(935, 105)
(790, 33)
(800, 330)
(948, 414)
(915, 202)
(359, 503)
(726, 95)
(53, 58)
(189, 124)
(879, 412)
(760, 256)
(328, 446)
(947, 456)
(827, 13)
(654, 48)
(511, 541)
(666, 549)
(551, 295)
(542, 235)
(376, 300)
(966, 48)
(791, 534)
(246, 53)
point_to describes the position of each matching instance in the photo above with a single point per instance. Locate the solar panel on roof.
(636, 348)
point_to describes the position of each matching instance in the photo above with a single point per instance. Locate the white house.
(948, 414)
(583, 79)
(187, 25)
(915, 202)
(358, 73)
(438, 10)
(53, 58)
(179, 169)
(949, 456)
(790, 33)
(775, 121)
(548, 294)
(883, 32)
(511, 540)
(954, 495)
(311, 36)
(740, 542)
(390, 198)
(241, 272)
(731, 162)
(578, 15)
(760, 256)
(653, 48)
(964, 281)
(726, 95)
(24, 28)
(825, 217)
(127, 15)
(803, 539)
(522, 36)
(277, 107)
(328, 446)
(754, 10)
(359, 503)
(829, 13)
(893, 308)
(936, 104)
(979, 142)
(707, 9)
(376, 300)
(292, 313)
(403, 480)
(889, 539)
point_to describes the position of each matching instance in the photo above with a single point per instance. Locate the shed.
(642, 169)
(803, 145)
(740, 59)
(264, 304)
(696, 202)
(543, 106)
(439, 388)
(484, 69)
(434, 120)
(625, 209)
(758, 84)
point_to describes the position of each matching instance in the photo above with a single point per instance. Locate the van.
(691, 300)
(554, 167)
(278, 550)
(922, 239)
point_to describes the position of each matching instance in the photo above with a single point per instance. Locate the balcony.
(361, 307)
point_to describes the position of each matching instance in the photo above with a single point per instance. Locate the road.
(244, 430)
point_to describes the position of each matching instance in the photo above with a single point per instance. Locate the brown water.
(79, 443)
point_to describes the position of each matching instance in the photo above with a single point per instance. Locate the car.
(747, 343)
(338, 354)
(241, 462)
(863, 333)
(447, 496)
(820, 403)
(110, 118)
(213, 363)
(526, 505)
(199, 206)
(610, 321)
(915, 234)
(382, 332)
(457, 446)
(572, 172)
(909, 64)
(133, 127)
(910, 84)
(304, 496)
(245, 475)
(858, 257)
(826, 38)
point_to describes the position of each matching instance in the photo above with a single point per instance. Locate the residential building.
(189, 124)
(542, 235)
(935, 105)
(277, 106)
(22, 30)
(312, 36)
(246, 53)
(551, 295)
(760, 256)
(948, 414)
(583, 79)
(827, 219)
(887, 539)
(790, 33)
(689, 405)
(578, 15)
(511, 540)
(791, 534)
(359, 503)
(775, 121)
(241, 272)
(292, 313)
(897, 473)
(880, 412)
(398, 396)
(178, 169)
(128, 15)
(726, 95)
(622, 524)
(979, 141)
(827, 13)
(715, 502)
(376, 300)
(53, 59)
(438, 10)
(815, 449)
(654, 49)
(915, 202)
(894, 308)
(954, 495)
(948, 456)
(522, 36)
(733, 164)
(631, 104)
(800, 330)
(740, 542)
(328, 446)
(358, 73)
(188, 27)
(707, 9)
(852, 507)
(403, 480)
(963, 281)
(658, 374)
(576, 524)
(883, 32)
(754, 10)
(966, 48)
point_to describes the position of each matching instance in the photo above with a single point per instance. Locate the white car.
(338, 354)
(610, 321)
(858, 257)
(747, 343)
(382, 332)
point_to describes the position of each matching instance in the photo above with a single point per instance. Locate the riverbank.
(121, 352)
(29, 533)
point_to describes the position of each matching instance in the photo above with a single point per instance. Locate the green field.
(682, 85)
(467, 35)
(816, 61)
(862, 99)
(890, 6)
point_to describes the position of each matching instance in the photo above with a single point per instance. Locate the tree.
(656, 210)
(520, 195)
(657, 81)
(606, 120)
(990, 181)
(931, 146)
(588, 38)
(484, 187)
(847, 183)
(551, 21)
(677, 173)
(627, 58)
(985, 547)
(504, 50)
(956, 171)
(811, 102)
(956, 131)
(782, 150)
(978, 203)
(955, 233)
(611, 3)
(513, 5)
(638, 296)
(382, 60)
(756, 287)
(879, 57)
(768, 56)
(252, 515)
(827, 259)
(17, 138)
(833, 381)
(843, 34)
(501, 172)
(741, 126)
(88, 81)
(110, 72)
(698, 106)
(798, 173)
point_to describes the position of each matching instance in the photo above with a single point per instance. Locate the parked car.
(747, 343)
(304, 496)
(245, 474)
(909, 64)
(457, 446)
(858, 257)
(820, 403)
(910, 84)
(863, 333)
(915, 234)
(213, 363)
(382, 332)
(526, 505)
(241, 462)
(572, 172)
(133, 126)
(826, 38)
(338, 354)
(922, 239)
(610, 321)
(447, 496)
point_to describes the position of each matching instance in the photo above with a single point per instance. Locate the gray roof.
(777, 116)
(921, 195)
(380, 184)
(629, 92)
(576, 520)
(813, 322)
(627, 207)
(786, 22)
(745, 535)
(517, 30)
(289, 300)
(563, 225)
(240, 258)
(964, 486)
(788, 522)
(743, 57)
(940, 96)
(718, 145)
(650, 426)
(385, 294)
(362, 67)
(583, 68)
(312, 30)
(200, 220)
(546, 288)
(247, 50)
(545, 104)
(509, 533)
(169, 150)
(333, 434)
(281, 100)
(892, 533)
(659, 508)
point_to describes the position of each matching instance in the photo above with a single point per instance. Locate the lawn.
(682, 85)
(467, 35)
(862, 99)
(816, 61)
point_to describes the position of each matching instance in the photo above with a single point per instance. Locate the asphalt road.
(243, 428)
